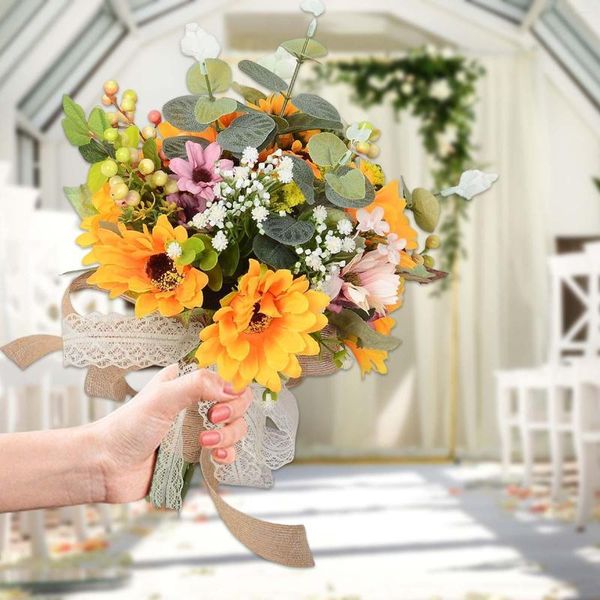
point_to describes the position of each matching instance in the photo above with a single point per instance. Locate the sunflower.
(144, 263)
(273, 104)
(262, 327)
(369, 359)
(106, 212)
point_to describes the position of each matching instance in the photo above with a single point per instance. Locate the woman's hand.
(127, 438)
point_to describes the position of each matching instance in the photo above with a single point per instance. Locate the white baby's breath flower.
(174, 250)
(407, 88)
(333, 244)
(320, 214)
(472, 183)
(241, 172)
(259, 214)
(216, 215)
(314, 261)
(249, 156)
(219, 242)
(440, 90)
(199, 44)
(344, 226)
(348, 245)
(200, 220)
(280, 62)
(285, 170)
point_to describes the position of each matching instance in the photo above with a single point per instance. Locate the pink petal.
(181, 167)
(195, 153)
(212, 152)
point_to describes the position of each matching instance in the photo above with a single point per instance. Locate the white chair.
(531, 401)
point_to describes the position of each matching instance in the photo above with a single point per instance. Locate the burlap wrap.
(283, 544)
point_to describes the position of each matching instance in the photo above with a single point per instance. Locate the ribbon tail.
(108, 383)
(283, 544)
(27, 350)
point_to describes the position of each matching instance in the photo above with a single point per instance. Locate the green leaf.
(426, 208)
(195, 243)
(326, 149)
(76, 134)
(93, 151)
(338, 200)
(208, 110)
(405, 191)
(190, 250)
(303, 122)
(132, 136)
(174, 147)
(81, 200)
(263, 76)
(188, 256)
(315, 106)
(98, 121)
(304, 178)
(219, 75)
(150, 151)
(350, 185)
(350, 324)
(273, 253)
(249, 94)
(313, 50)
(95, 178)
(215, 278)
(180, 112)
(252, 129)
(208, 260)
(230, 258)
(288, 230)
(74, 112)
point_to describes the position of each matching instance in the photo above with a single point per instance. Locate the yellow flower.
(262, 327)
(107, 212)
(370, 358)
(286, 197)
(273, 104)
(141, 263)
(373, 172)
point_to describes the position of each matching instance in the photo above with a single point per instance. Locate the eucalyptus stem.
(208, 86)
(299, 61)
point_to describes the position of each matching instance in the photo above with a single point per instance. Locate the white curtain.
(501, 296)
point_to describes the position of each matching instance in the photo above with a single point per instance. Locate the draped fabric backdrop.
(502, 291)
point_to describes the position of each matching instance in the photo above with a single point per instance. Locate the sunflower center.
(353, 278)
(201, 175)
(259, 321)
(163, 273)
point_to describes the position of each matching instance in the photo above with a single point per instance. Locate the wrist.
(90, 477)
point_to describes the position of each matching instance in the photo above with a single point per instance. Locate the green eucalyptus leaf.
(326, 149)
(93, 151)
(338, 200)
(349, 324)
(313, 50)
(174, 147)
(81, 200)
(208, 260)
(180, 112)
(98, 121)
(150, 151)
(249, 94)
(304, 178)
(273, 253)
(74, 112)
(95, 178)
(288, 230)
(188, 256)
(194, 243)
(263, 76)
(303, 122)
(230, 258)
(315, 106)
(75, 133)
(219, 75)
(215, 278)
(282, 123)
(252, 129)
(426, 208)
(350, 185)
(208, 110)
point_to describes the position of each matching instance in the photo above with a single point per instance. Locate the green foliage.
(304, 178)
(273, 253)
(174, 147)
(94, 151)
(350, 324)
(219, 75)
(249, 94)
(326, 149)
(131, 136)
(207, 110)
(303, 122)
(81, 200)
(95, 178)
(252, 129)
(426, 208)
(301, 50)
(230, 258)
(343, 202)
(262, 76)
(150, 151)
(215, 278)
(98, 122)
(288, 230)
(350, 185)
(181, 113)
(191, 248)
(75, 133)
(315, 106)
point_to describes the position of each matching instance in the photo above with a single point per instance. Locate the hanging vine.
(438, 86)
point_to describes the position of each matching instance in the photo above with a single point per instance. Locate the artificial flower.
(262, 327)
(273, 104)
(373, 172)
(198, 173)
(199, 44)
(189, 205)
(393, 248)
(107, 211)
(287, 197)
(368, 281)
(372, 221)
(139, 263)
(357, 132)
(280, 62)
(314, 7)
(370, 359)
(440, 90)
(472, 183)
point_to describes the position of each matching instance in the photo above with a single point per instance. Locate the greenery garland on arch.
(438, 86)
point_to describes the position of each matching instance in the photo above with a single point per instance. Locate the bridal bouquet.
(254, 234)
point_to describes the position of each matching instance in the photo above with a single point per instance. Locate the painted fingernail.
(221, 453)
(210, 438)
(220, 413)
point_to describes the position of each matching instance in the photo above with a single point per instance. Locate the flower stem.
(299, 61)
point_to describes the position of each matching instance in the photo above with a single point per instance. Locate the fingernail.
(221, 453)
(219, 413)
(210, 438)
(228, 389)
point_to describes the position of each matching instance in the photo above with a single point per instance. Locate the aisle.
(400, 532)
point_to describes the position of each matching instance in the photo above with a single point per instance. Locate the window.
(28, 159)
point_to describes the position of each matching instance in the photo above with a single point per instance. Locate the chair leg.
(526, 435)
(503, 397)
(586, 460)
(555, 407)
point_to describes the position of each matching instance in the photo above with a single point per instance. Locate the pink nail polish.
(220, 413)
(210, 438)
(221, 453)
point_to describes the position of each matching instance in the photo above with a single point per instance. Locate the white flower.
(219, 242)
(392, 248)
(372, 221)
(314, 261)
(216, 215)
(249, 156)
(357, 133)
(174, 250)
(333, 244)
(241, 172)
(320, 214)
(259, 214)
(447, 52)
(348, 245)
(406, 88)
(285, 170)
(440, 90)
(280, 62)
(472, 183)
(344, 226)
(200, 220)
(314, 7)
(199, 43)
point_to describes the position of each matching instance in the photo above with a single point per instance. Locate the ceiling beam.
(535, 10)
(124, 14)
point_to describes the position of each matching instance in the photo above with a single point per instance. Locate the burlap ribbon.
(283, 544)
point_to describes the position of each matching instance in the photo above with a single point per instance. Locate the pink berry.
(154, 117)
